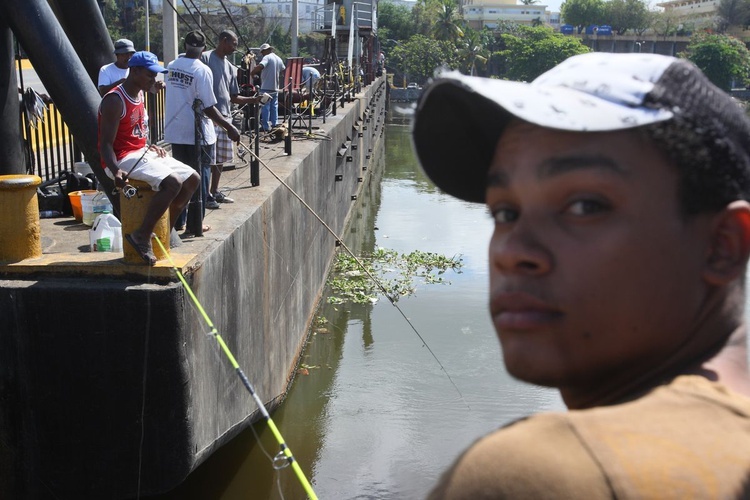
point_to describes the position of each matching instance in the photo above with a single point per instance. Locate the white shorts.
(152, 169)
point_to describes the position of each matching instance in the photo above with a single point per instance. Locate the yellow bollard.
(20, 230)
(133, 210)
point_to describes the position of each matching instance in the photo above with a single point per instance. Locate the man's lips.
(521, 311)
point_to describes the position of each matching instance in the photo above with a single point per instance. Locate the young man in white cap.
(269, 68)
(125, 152)
(113, 74)
(618, 185)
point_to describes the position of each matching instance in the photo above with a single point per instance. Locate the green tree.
(723, 59)
(537, 50)
(394, 21)
(582, 13)
(625, 15)
(472, 53)
(424, 16)
(448, 23)
(419, 57)
(665, 23)
(732, 13)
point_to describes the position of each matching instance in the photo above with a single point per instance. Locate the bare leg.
(170, 188)
(183, 197)
(215, 177)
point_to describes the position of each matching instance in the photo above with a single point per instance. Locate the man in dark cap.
(113, 74)
(618, 186)
(190, 90)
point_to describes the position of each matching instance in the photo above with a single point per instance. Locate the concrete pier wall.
(110, 385)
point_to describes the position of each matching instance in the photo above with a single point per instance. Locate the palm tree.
(447, 25)
(529, 2)
(472, 52)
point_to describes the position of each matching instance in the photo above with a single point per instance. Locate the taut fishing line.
(285, 456)
(375, 280)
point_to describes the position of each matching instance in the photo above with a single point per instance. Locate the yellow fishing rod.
(285, 454)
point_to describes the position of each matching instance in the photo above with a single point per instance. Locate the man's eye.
(504, 215)
(587, 207)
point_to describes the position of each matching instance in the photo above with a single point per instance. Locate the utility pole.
(148, 37)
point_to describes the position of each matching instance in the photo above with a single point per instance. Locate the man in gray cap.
(113, 74)
(618, 187)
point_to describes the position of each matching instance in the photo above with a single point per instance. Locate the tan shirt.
(687, 439)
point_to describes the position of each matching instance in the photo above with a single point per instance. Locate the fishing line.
(203, 18)
(285, 456)
(375, 280)
(179, 16)
(236, 29)
(196, 21)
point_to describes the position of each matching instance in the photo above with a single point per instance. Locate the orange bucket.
(75, 203)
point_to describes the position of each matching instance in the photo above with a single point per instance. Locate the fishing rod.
(284, 457)
(201, 16)
(364, 268)
(236, 29)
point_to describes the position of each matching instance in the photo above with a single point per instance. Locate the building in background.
(488, 13)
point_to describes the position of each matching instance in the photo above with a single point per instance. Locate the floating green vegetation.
(397, 273)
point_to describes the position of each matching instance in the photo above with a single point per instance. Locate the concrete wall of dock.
(110, 385)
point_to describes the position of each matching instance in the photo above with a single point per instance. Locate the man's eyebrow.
(564, 164)
(561, 165)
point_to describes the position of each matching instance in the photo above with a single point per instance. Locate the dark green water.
(378, 418)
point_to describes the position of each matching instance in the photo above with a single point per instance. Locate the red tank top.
(132, 132)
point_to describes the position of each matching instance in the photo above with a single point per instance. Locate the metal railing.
(50, 147)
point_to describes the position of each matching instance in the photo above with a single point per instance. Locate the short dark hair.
(708, 141)
(226, 34)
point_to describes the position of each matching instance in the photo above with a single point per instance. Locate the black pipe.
(11, 153)
(62, 73)
(83, 23)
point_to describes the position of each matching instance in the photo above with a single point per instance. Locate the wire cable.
(236, 29)
(375, 280)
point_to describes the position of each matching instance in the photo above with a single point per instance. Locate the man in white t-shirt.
(113, 74)
(189, 85)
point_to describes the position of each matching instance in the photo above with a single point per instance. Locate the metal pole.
(11, 154)
(295, 28)
(148, 36)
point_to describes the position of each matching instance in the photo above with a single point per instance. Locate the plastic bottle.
(106, 233)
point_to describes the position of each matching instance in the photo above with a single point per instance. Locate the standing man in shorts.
(125, 153)
(227, 91)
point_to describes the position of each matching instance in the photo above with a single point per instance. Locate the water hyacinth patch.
(397, 274)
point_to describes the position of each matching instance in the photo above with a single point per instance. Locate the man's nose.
(520, 250)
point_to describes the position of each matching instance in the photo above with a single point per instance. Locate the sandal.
(188, 232)
(143, 249)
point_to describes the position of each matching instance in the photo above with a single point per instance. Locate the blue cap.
(147, 60)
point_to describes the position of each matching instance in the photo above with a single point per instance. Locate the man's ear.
(730, 244)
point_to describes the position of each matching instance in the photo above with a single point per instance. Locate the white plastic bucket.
(106, 234)
(93, 204)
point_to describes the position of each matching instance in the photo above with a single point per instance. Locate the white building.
(487, 13)
(281, 10)
(700, 13)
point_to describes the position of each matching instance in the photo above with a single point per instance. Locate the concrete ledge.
(97, 356)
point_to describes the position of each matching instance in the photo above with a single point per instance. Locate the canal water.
(374, 415)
